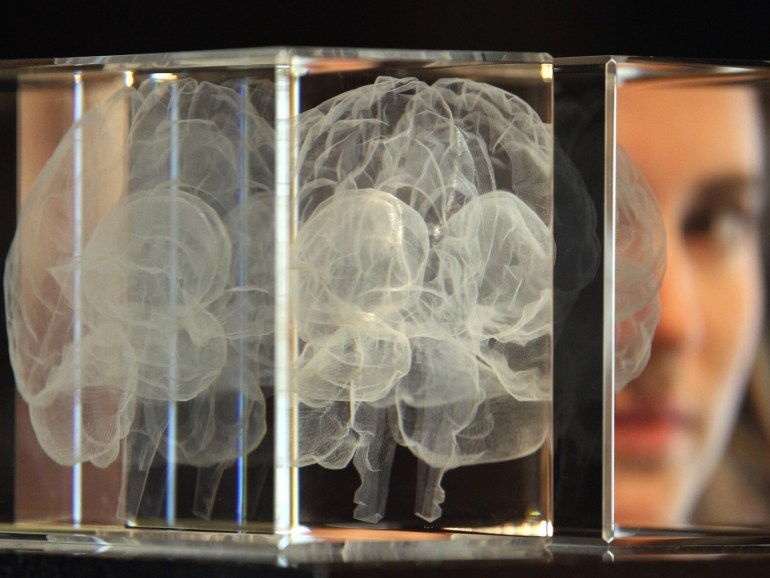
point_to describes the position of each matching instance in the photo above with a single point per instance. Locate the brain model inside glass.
(423, 262)
(424, 257)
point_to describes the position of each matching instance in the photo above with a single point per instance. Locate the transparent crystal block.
(279, 290)
(658, 394)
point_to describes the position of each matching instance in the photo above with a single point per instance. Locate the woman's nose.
(681, 324)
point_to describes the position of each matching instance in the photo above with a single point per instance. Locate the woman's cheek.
(732, 294)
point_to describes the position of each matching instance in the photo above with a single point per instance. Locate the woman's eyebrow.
(752, 189)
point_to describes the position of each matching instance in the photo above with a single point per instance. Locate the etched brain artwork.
(424, 260)
(137, 278)
(640, 264)
(142, 278)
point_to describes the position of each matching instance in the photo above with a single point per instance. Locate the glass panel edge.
(608, 386)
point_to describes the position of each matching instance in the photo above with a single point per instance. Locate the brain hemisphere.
(359, 255)
(505, 251)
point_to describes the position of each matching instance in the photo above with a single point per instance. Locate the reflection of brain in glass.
(130, 283)
(640, 246)
(424, 261)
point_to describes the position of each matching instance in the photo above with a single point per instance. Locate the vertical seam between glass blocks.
(77, 329)
(608, 381)
(285, 506)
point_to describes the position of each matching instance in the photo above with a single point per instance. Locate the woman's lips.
(647, 433)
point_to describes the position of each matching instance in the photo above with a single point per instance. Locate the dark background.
(36, 29)
(722, 30)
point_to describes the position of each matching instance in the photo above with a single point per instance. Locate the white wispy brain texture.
(138, 277)
(423, 264)
(640, 261)
(424, 296)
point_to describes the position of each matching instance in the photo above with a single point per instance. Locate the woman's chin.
(646, 513)
(651, 492)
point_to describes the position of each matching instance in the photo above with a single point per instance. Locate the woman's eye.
(726, 212)
(719, 227)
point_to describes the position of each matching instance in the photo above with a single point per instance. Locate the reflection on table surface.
(343, 546)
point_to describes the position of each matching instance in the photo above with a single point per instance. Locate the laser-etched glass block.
(280, 289)
(660, 397)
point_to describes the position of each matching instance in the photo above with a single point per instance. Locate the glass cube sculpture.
(660, 378)
(279, 289)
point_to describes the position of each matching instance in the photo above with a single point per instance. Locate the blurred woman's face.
(700, 150)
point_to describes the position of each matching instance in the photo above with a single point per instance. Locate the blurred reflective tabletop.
(335, 553)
